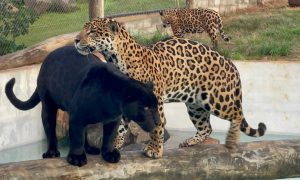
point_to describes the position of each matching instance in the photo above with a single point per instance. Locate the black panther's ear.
(113, 26)
(150, 85)
(161, 13)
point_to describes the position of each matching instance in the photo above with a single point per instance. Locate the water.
(29, 152)
(35, 151)
(176, 137)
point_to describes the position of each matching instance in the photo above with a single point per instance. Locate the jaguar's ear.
(113, 26)
(161, 13)
(150, 85)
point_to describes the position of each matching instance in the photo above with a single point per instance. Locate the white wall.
(19, 127)
(271, 94)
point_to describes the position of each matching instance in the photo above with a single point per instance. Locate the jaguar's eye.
(91, 31)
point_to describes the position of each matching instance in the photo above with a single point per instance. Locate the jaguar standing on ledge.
(194, 21)
(182, 71)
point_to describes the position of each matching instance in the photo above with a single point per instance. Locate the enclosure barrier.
(259, 160)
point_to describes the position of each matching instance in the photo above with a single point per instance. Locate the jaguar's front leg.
(154, 148)
(119, 141)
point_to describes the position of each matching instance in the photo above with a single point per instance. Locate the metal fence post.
(96, 8)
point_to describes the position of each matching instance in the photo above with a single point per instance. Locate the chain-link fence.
(27, 22)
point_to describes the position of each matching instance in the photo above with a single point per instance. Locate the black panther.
(90, 91)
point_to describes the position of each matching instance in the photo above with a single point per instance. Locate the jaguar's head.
(167, 17)
(97, 35)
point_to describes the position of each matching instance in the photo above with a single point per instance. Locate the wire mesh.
(57, 17)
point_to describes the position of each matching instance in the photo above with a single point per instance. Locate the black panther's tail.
(22, 105)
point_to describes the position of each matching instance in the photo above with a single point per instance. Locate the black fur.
(90, 91)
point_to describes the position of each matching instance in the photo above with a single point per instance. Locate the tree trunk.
(255, 160)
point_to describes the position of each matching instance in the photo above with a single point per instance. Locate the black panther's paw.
(112, 157)
(77, 160)
(51, 153)
(91, 150)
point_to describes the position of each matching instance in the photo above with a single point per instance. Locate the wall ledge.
(259, 160)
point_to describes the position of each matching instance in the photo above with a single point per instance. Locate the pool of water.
(35, 151)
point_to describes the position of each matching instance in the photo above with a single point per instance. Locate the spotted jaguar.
(182, 70)
(194, 21)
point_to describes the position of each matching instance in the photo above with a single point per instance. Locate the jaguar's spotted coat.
(194, 21)
(182, 71)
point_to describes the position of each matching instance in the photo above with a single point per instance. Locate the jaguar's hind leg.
(233, 134)
(49, 111)
(212, 32)
(201, 120)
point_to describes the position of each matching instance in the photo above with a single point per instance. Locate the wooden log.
(35, 54)
(96, 8)
(255, 160)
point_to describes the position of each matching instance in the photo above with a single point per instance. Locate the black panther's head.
(140, 105)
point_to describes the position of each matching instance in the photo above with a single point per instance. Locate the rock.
(211, 140)
(95, 134)
(63, 5)
(62, 124)
(39, 6)
(134, 135)
(141, 135)
(42, 6)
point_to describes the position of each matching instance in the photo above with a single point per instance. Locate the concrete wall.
(270, 95)
(142, 24)
(19, 127)
(228, 6)
(223, 6)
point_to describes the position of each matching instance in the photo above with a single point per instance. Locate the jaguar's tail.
(248, 130)
(22, 105)
(223, 35)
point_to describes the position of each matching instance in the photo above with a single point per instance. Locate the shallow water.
(35, 151)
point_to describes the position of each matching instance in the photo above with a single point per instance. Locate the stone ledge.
(255, 160)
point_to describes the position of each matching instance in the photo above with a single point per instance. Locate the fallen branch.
(259, 160)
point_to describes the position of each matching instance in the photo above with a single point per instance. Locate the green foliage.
(55, 23)
(273, 33)
(7, 46)
(15, 19)
(141, 39)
